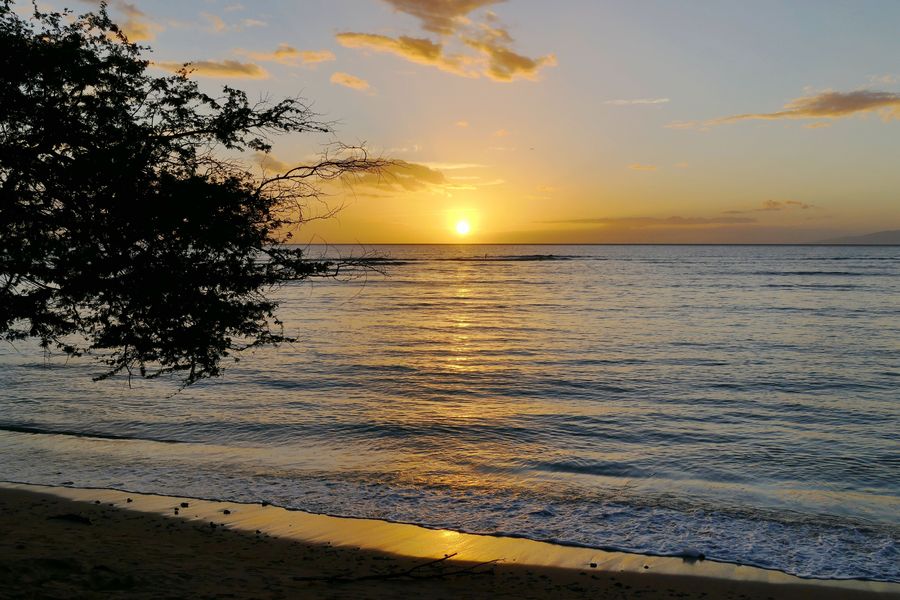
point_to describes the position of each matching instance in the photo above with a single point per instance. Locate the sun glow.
(463, 227)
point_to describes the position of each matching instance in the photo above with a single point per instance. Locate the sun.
(463, 227)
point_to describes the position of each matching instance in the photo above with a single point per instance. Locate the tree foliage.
(128, 229)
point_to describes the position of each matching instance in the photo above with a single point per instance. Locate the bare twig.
(411, 573)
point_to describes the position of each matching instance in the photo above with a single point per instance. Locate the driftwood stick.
(409, 573)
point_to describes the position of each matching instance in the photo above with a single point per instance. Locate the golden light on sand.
(463, 227)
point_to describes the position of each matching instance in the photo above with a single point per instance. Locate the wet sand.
(76, 543)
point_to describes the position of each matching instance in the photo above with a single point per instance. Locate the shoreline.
(683, 560)
(504, 559)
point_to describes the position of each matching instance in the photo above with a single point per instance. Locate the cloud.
(886, 79)
(290, 56)
(638, 101)
(641, 222)
(503, 64)
(827, 105)
(418, 50)
(818, 125)
(215, 22)
(217, 68)
(218, 25)
(443, 166)
(462, 124)
(316, 56)
(271, 164)
(640, 167)
(685, 125)
(443, 17)
(493, 58)
(137, 27)
(401, 176)
(501, 133)
(350, 81)
(403, 149)
(773, 205)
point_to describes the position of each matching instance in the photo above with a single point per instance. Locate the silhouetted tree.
(128, 228)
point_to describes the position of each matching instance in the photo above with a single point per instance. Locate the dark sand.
(51, 547)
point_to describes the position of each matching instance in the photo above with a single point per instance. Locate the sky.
(578, 121)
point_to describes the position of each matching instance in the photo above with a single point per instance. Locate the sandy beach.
(57, 543)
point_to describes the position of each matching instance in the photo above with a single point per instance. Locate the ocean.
(739, 401)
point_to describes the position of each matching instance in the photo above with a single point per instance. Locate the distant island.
(879, 238)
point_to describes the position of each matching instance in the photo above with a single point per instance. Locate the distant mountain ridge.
(879, 238)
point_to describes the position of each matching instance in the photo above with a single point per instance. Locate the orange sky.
(583, 121)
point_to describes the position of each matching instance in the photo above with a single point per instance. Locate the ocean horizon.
(738, 401)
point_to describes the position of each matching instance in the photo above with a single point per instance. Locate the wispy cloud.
(270, 163)
(218, 25)
(641, 222)
(137, 26)
(310, 57)
(885, 79)
(401, 176)
(637, 101)
(685, 125)
(443, 17)
(772, 206)
(462, 124)
(504, 64)
(418, 50)
(824, 105)
(493, 57)
(350, 81)
(641, 167)
(217, 68)
(290, 56)
(446, 166)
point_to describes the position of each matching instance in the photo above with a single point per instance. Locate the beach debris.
(96, 502)
(71, 518)
(593, 565)
(128, 500)
(67, 483)
(185, 504)
(414, 572)
(176, 510)
(226, 512)
(264, 503)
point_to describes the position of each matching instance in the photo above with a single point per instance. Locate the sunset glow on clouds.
(350, 81)
(222, 69)
(603, 121)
